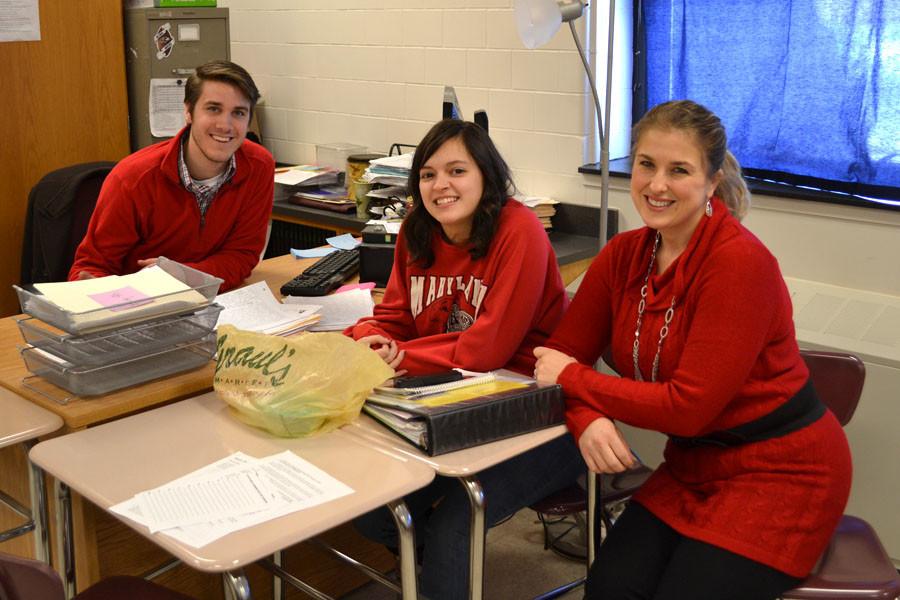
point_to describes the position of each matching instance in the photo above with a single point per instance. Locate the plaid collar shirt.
(204, 194)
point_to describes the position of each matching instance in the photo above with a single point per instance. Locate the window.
(809, 90)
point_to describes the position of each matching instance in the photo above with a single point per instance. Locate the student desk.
(465, 466)
(23, 423)
(147, 450)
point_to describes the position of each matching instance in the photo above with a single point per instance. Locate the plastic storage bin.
(207, 286)
(335, 155)
(116, 345)
(93, 381)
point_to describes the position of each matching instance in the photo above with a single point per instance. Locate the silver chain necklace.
(663, 332)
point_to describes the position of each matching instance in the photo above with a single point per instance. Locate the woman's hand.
(604, 449)
(550, 364)
(385, 348)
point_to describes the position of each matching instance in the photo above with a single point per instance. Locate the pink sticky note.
(121, 299)
(356, 286)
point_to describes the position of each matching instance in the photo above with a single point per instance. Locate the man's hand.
(147, 262)
(604, 449)
(85, 275)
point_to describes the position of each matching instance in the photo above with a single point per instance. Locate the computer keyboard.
(325, 275)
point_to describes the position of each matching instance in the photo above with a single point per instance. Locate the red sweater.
(144, 211)
(474, 314)
(730, 356)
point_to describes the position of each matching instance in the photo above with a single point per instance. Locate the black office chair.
(60, 206)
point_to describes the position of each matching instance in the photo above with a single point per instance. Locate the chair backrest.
(26, 579)
(60, 206)
(838, 378)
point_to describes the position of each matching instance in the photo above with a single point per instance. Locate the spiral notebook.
(431, 390)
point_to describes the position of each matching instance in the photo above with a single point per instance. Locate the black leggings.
(642, 558)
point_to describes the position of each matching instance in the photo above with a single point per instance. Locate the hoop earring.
(708, 208)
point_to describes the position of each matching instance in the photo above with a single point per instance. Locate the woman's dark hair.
(419, 225)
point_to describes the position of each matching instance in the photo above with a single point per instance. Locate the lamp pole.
(603, 117)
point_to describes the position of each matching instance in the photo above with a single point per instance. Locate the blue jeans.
(441, 512)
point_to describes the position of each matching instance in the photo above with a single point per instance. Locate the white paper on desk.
(166, 104)
(338, 310)
(131, 508)
(199, 500)
(254, 308)
(298, 484)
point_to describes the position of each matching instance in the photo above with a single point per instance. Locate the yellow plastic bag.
(295, 387)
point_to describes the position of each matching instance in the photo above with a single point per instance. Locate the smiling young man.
(202, 198)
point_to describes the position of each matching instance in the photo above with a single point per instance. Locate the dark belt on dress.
(802, 409)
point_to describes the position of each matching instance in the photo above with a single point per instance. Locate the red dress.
(480, 314)
(730, 357)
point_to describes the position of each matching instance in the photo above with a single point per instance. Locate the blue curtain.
(806, 88)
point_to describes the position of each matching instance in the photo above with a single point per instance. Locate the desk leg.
(476, 536)
(592, 523)
(236, 585)
(38, 508)
(277, 585)
(407, 537)
(65, 537)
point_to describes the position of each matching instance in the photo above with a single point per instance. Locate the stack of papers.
(390, 170)
(254, 308)
(146, 294)
(339, 310)
(231, 494)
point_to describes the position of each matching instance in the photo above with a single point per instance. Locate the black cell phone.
(424, 380)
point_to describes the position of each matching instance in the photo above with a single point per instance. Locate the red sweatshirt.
(144, 211)
(474, 314)
(730, 357)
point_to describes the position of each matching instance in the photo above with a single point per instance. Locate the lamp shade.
(537, 21)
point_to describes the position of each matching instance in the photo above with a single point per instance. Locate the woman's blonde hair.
(707, 129)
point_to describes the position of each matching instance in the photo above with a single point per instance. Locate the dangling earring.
(708, 208)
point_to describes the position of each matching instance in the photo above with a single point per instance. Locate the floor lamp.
(538, 21)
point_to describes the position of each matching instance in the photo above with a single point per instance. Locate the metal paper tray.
(93, 381)
(100, 319)
(116, 345)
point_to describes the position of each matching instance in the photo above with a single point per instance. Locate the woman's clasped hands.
(386, 348)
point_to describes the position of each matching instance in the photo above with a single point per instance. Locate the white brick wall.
(371, 72)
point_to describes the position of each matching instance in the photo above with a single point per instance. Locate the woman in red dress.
(699, 322)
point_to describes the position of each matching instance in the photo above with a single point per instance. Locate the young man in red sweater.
(202, 198)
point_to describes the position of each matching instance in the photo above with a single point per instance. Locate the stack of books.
(544, 208)
(332, 197)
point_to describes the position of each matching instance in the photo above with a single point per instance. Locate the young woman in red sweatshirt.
(475, 285)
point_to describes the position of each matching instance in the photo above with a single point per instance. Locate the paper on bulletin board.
(19, 21)
(166, 106)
